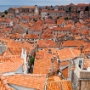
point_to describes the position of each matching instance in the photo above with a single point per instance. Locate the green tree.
(6, 12)
(32, 60)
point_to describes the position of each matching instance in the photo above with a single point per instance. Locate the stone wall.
(83, 84)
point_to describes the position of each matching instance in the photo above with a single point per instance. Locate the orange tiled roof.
(65, 72)
(85, 32)
(54, 78)
(49, 21)
(26, 25)
(15, 48)
(55, 83)
(77, 37)
(49, 25)
(64, 63)
(60, 35)
(62, 29)
(73, 43)
(44, 66)
(6, 40)
(47, 43)
(82, 4)
(16, 35)
(3, 84)
(59, 21)
(26, 17)
(46, 36)
(11, 66)
(69, 25)
(36, 27)
(61, 85)
(39, 22)
(34, 81)
(5, 20)
(87, 46)
(47, 31)
(36, 16)
(43, 57)
(68, 53)
(43, 54)
(33, 36)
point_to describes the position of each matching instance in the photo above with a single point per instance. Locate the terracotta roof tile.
(15, 48)
(73, 43)
(10, 66)
(65, 72)
(44, 66)
(59, 21)
(31, 36)
(60, 35)
(64, 63)
(14, 36)
(37, 25)
(49, 21)
(46, 36)
(68, 53)
(26, 25)
(62, 29)
(47, 43)
(55, 83)
(35, 81)
(45, 53)
(3, 84)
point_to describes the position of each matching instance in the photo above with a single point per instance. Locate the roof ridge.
(71, 52)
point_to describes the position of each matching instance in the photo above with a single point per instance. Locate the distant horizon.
(42, 2)
(43, 5)
(6, 7)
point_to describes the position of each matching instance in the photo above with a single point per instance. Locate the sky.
(41, 2)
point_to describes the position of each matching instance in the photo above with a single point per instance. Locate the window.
(80, 63)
